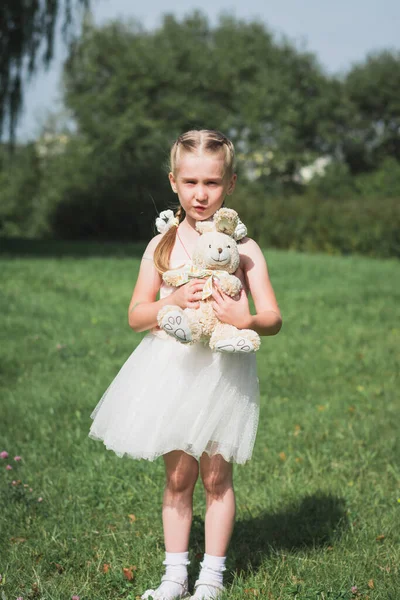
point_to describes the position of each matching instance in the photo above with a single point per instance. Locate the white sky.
(339, 32)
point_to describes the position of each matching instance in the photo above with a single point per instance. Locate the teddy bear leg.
(227, 338)
(174, 321)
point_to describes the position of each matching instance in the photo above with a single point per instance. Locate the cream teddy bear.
(215, 256)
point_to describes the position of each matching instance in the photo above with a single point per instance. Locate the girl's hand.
(233, 311)
(189, 294)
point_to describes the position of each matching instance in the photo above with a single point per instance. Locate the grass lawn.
(318, 506)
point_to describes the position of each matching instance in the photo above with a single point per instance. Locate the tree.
(27, 30)
(19, 184)
(373, 89)
(131, 92)
(135, 89)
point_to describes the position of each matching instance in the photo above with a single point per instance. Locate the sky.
(340, 32)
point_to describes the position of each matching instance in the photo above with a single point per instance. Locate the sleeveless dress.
(171, 396)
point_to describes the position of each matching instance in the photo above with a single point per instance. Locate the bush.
(358, 225)
(19, 186)
(70, 196)
(382, 183)
(338, 182)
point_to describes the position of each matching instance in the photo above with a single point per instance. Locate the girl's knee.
(180, 481)
(216, 485)
(217, 478)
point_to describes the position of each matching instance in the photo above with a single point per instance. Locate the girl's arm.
(144, 306)
(267, 320)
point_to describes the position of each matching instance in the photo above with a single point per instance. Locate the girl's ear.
(232, 184)
(172, 181)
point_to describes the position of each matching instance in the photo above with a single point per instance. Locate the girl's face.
(200, 184)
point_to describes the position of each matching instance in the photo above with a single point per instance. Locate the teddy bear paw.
(175, 324)
(235, 345)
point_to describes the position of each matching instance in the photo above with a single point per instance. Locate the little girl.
(196, 408)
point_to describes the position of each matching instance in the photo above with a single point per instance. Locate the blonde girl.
(196, 408)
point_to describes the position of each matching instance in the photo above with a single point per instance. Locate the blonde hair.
(207, 141)
(202, 141)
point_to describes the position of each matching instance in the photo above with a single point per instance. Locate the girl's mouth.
(200, 208)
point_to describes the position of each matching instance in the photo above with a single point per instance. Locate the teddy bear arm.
(173, 277)
(230, 284)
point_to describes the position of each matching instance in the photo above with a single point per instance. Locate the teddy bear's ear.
(205, 226)
(226, 220)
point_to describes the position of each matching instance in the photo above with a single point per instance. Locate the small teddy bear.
(215, 256)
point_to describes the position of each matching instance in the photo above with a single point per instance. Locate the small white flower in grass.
(17, 458)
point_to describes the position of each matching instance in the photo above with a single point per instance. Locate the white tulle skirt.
(169, 396)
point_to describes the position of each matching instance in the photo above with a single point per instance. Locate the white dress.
(171, 396)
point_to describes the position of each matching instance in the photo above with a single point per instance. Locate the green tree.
(19, 184)
(132, 92)
(127, 86)
(27, 30)
(373, 89)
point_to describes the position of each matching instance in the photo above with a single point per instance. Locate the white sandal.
(218, 587)
(156, 595)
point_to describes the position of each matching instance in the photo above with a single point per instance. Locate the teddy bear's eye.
(209, 246)
(228, 246)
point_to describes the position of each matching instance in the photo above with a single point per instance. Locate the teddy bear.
(215, 256)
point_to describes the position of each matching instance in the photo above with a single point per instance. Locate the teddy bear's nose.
(219, 250)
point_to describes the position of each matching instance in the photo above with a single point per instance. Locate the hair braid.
(164, 248)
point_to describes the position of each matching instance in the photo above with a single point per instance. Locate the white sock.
(212, 569)
(176, 563)
(176, 568)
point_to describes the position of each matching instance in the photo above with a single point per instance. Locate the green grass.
(317, 506)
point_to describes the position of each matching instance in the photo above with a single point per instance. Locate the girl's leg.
(182, 472)
(216, 474)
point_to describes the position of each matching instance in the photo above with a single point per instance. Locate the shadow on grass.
(22, 248)
(314, 521)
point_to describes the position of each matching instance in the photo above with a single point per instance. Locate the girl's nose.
(201, 193)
